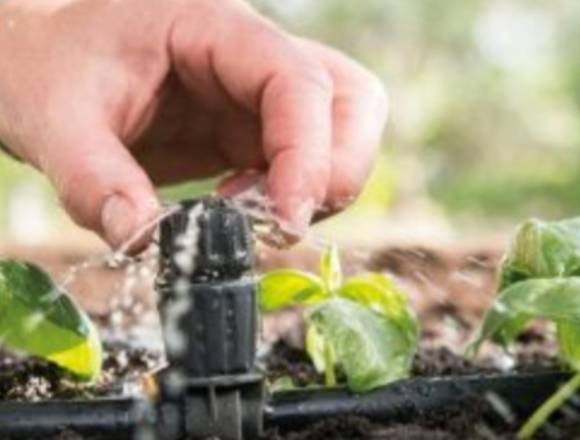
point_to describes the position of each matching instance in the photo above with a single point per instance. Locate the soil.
(451, 424)
(459, 423)
(286, 361)
(34, 379)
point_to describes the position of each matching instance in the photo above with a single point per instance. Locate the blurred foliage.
(12, 175)
(485, 100)
(188, 190)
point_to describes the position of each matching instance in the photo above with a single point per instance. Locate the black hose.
(91, 419)
(506, 397)
(511, 397)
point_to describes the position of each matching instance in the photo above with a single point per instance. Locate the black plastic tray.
(510, 398)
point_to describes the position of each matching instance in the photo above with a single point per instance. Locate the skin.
(110, 98)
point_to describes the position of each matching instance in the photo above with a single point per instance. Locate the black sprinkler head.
(209, 314)
(206, 240)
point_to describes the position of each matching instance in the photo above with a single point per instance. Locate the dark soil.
(284, 361)
(466, 423)
(34, 379)
(459, 423)
(443, 362)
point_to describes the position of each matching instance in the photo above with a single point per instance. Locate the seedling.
(38, 318)
(540, 278)
(363, 324)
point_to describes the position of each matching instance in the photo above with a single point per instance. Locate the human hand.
(110, 98)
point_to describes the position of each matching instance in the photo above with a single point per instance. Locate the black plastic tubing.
(504, 397)
(511, 397)
(116, 419)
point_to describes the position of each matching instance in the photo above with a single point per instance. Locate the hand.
(112, 97)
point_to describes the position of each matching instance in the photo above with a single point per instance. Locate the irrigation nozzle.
(209, 315)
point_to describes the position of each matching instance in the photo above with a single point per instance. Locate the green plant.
(38, 318)
(363, 324)
(540, 278)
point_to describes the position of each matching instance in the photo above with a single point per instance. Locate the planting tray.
(505, 399)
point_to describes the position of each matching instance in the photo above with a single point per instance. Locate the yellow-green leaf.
(569, 339)
(542, 250)
(555, 299)
(315, 346)
(369, 346)
(40, 319)
(379, 293)
(286, 287)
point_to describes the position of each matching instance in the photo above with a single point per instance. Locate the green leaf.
(330, 270)
(569, 340)
(379, 293)
(286, 287)
(540, 278)
(370, 347)
(555, 299)
(39, 319)
(315, 346)
(542, 250)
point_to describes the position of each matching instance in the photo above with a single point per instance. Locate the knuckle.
(306, 73)
(314, 75)
(317, 75)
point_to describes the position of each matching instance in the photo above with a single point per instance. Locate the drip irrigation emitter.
(209, 314)
(213, 388)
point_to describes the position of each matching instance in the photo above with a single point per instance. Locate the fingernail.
(302, 217)
(118, 219)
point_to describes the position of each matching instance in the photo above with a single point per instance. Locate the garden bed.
(32, 380)
(480, 419)
(450, 290)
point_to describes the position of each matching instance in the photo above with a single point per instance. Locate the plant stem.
(329, 376)
(549, 406)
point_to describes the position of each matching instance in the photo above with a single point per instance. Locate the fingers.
(267, 73)
(321, 115)
(297, 143)
(359, 116)
(100, 184)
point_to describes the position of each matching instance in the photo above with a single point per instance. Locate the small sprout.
(330, 270)
(540, 278)
(38, 318)
(363, 324)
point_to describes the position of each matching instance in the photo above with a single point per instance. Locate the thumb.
(101, 185)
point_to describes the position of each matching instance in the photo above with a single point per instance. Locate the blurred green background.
(485, 108)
